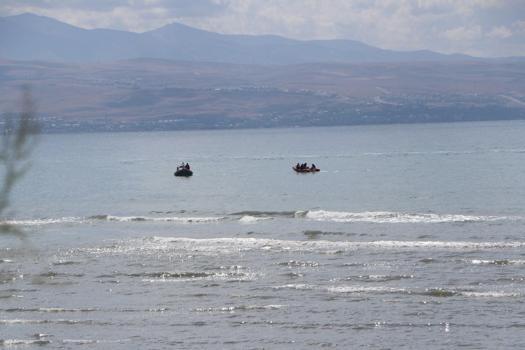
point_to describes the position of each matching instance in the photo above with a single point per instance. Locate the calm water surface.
(411, 236)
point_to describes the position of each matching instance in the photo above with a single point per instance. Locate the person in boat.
(187, 166)
(297, 166)
(313, 167)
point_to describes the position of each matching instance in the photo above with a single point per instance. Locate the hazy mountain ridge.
(101, 79)
(31, 37)
(156, 94)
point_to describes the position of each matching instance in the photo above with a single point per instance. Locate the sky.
(490, 28)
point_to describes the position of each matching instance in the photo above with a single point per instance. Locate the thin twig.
(18, 140)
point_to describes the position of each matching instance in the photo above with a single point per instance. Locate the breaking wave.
(248, 219)
(379, 217)
(395, 217)
(45, 221)
(176, 219)
(265, 214)
(112, 218)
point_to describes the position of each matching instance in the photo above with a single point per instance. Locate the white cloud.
(463, 33)
(468, 26)
(500, 32)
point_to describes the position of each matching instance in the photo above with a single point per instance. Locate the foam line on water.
(249, 219)
(379, 217)
(265, 244)
(235, 245)
(54, 321)
(79, 341)
(112, 218)
(50, 310)
(498, 262)
(258, 213)
(431, 292)
(44, 221)
(239, 308)
(23, 342)
(396, 217)
(176, 219)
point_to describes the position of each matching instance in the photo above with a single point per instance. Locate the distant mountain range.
(178, 77)
(32, 37)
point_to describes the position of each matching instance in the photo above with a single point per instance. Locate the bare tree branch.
(17, 141)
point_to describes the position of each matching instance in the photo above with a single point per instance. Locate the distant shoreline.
(282, 127)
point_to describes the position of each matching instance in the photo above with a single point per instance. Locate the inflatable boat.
(305, 170)
(183, 172)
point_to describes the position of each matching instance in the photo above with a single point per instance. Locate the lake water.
(410, 236)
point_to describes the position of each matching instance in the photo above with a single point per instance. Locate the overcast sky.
(477, 27)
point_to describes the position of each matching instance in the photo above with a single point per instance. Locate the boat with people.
(304, 168)
(183, 170)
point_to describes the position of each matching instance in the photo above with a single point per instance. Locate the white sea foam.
(49, 310)
(300, 286)
(91, 219)
(79, 341)
(249, 219)
(261, 243)
(380, 278)
(177, 219)
(491, 294)
(60, 309)
(360, 289)
(19, 321)
(357, 289)
(231, 277)
(45, 221)
(239, 308)
(498, 262)
(433, 292)
(53, 321)
(395, 217)
(16, 342)
(234, 245)
(344, 289)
